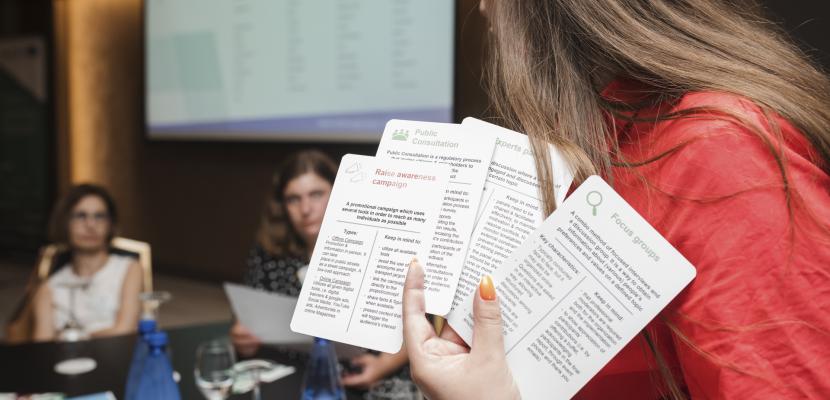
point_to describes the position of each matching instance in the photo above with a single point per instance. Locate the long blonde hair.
(548, 58)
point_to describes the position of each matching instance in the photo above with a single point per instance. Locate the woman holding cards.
(278, 261)
(716, 129)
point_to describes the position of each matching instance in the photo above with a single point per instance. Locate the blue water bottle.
(322, 378)
(145, 327)
(156, 380)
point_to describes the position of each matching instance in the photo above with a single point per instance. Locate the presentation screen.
(300, 70)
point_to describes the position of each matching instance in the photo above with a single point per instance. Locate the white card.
(380, 215)
(511, 207)
(468, 154)
(584, 284)
(268, 316)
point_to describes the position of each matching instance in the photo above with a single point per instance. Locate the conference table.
(29, 368)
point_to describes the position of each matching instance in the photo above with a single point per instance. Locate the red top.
(755, 323)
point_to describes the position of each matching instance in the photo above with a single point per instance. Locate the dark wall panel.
(808, 22)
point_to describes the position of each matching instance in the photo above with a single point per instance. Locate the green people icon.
(400, 134)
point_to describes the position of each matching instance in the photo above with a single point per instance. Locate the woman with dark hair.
(290, 222)
(288, 231)
(716, 129)
(285, 242)
(85, 221)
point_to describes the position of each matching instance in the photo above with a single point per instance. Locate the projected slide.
(296, 69)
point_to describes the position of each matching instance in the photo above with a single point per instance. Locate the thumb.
(487, 327)
(416, 328)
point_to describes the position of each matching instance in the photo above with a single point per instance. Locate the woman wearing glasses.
(106, 285)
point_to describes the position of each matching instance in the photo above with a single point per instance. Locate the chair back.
(46, 260)
(21, 325)
(142, 249)
(49, 253)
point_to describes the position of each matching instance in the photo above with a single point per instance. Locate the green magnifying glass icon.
(594, 199)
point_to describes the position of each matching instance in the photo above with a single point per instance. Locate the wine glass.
(253, 369)
(214, 370)
(151, 302)
(73, 330)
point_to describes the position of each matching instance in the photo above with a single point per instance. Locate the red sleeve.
(755, 323)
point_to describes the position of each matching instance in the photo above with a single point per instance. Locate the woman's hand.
(443, 367)
(374, 368)
(244, 341)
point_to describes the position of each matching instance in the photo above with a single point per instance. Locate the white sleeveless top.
(96, 304)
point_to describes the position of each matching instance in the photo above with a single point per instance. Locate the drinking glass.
(253, 369)
(214, 369)
(151, 302)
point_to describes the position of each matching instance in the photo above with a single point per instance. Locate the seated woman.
(278, 260)
(107, 303)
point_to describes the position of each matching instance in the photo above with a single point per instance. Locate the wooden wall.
(197, 204)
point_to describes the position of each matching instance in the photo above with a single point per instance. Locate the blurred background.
(183, 109)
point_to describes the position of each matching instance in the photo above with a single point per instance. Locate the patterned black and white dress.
(282, 275)
(279, 275)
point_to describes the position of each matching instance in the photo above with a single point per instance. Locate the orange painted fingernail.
(486, 289)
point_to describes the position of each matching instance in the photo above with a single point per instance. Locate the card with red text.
(381, 214)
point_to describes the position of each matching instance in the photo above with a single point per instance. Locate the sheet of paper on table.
(268, 315)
